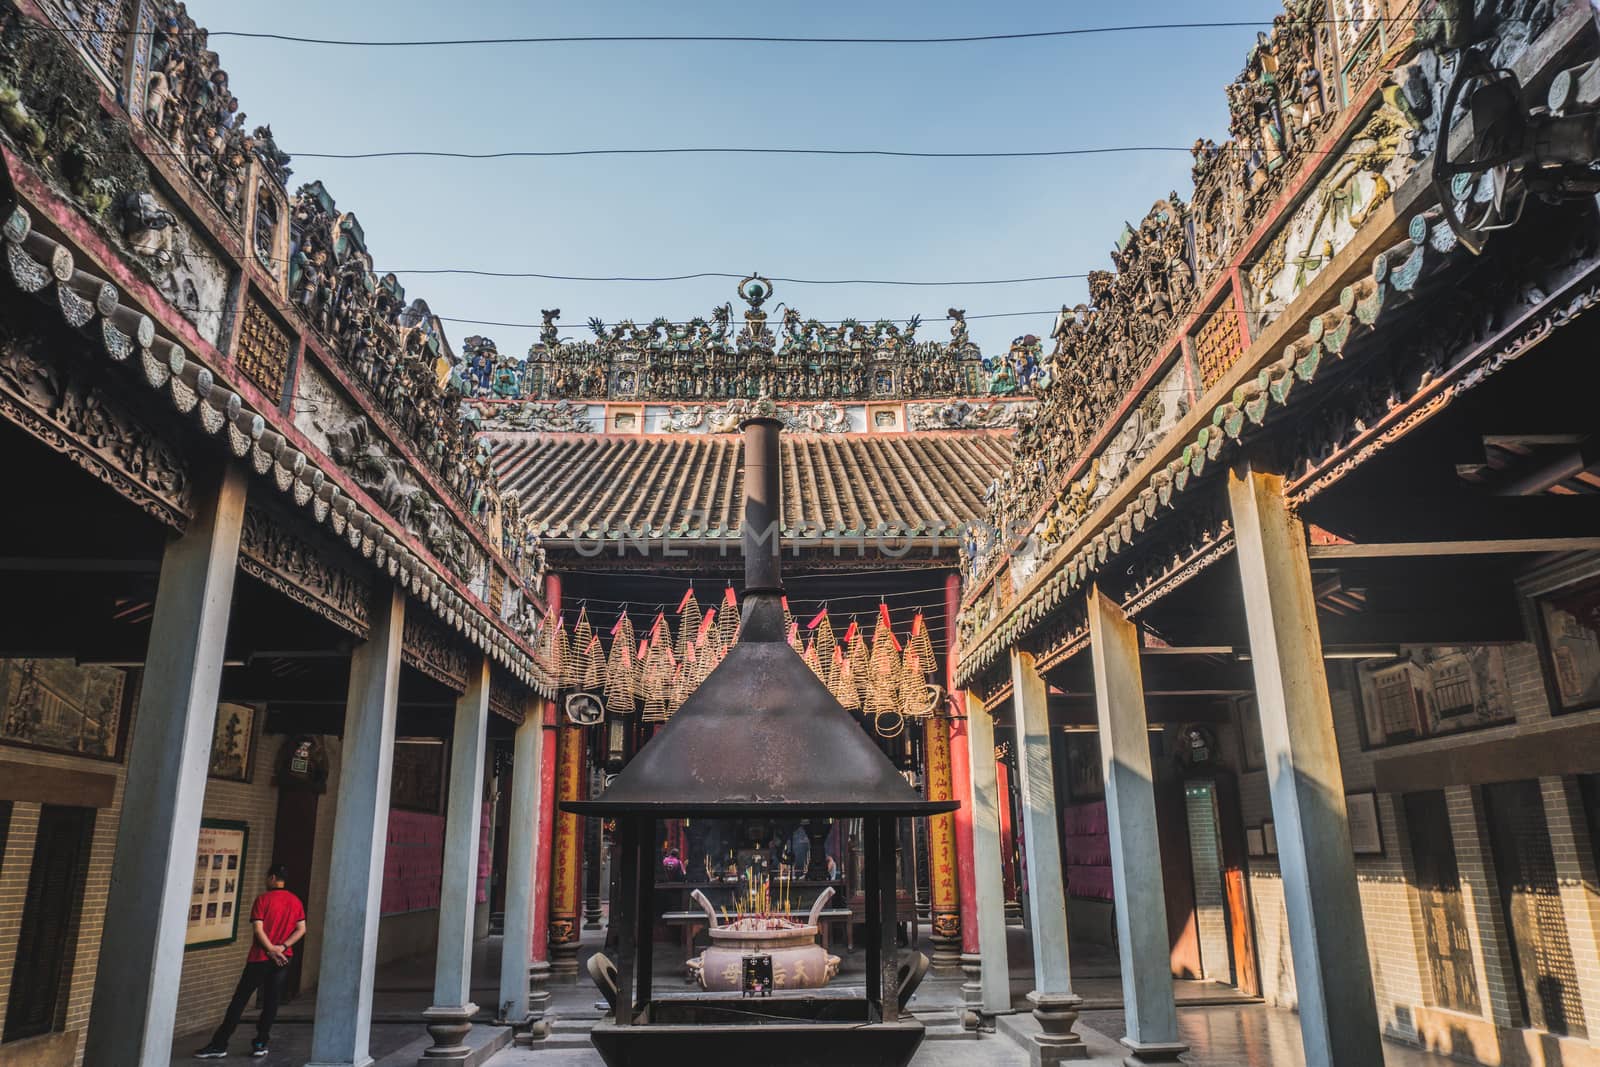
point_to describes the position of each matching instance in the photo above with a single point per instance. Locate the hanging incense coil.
(619, 683)
(822, 637)
(809, 656)
(579, 662)
(593, 678)
(882, 691)
(860, 660)
(913, 687)
(689, 618)
(922, 643)
(551, 650)
(650, 676)
(844, 687)
(728, 621)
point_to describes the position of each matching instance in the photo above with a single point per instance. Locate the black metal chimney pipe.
(763, 506)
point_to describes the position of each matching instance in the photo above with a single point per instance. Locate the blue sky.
(794, 216)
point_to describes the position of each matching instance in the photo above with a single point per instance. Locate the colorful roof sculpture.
(711, 359)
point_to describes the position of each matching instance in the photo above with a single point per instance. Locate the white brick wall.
(1394, 937)
(208, 974)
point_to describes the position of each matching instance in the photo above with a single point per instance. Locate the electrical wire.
(724, 274)
(975, 38)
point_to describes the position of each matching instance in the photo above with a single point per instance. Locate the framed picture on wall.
(1255, 842)
(60, 705)
(1269, 838)
(1366, 833)
(1569, 621)
(214, 898)
(233, 742)
(419, 774)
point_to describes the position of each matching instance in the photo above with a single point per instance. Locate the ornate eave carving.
(290, 557)
(987, 629)
(45, 269)
(432, 650)
(72, 412)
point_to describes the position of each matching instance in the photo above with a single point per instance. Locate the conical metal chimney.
(762, 734)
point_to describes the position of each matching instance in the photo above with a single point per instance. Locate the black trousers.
(266, 976)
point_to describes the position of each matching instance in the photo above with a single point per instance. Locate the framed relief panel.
(218, 889)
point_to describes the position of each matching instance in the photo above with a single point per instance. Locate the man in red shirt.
(278, 920)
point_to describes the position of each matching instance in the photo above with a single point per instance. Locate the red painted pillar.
(960, 777)
(1008, 839)
(547, 804)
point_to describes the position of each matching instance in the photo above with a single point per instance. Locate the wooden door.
(1177, 872)
(1447, 936)
(48, 939)
(1236, 886)
(1530, 900)
(294, 840)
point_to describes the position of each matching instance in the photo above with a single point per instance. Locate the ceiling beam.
(1477, 547)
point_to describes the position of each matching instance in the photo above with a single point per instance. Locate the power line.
(563, 153)
(976, 38)
(824, 322)
(723, 274)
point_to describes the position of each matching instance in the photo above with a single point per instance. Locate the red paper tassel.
(817, 619)
(687, 593)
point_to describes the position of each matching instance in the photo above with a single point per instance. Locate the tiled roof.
(690, 487)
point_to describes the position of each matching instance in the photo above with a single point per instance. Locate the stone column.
(141, 948)
(1054, 1003)
(522, 872)
(994, 980)
(941, 849)
(565, 868)
(1141, 901)
(450, 1018)
(1327, 933)
(349, 929)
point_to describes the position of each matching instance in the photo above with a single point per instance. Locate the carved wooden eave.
(1220, 290)
(227, 412)
(1260, 384)
(282, 551)
(1338, 307)
(1374, 100)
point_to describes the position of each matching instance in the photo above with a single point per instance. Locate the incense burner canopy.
(762, 735)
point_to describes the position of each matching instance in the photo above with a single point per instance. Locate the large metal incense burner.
(761, 737)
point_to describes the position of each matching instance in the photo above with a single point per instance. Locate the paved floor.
(1221, 1028)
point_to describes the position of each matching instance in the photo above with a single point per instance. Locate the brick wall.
(208, 974)
(17, 865)
(1390, 906)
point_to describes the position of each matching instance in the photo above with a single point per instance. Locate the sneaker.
(258, 1049)
(211, 1052)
